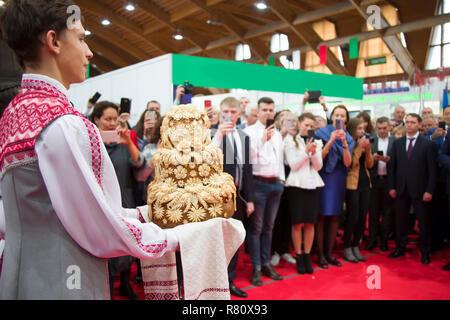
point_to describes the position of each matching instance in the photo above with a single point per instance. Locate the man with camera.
(412, 180)
(381, 202)
(235, 145)
(268, 174)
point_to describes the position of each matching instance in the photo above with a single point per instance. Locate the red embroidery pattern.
(160, 283)
(24, 118)
(169, 265)
(152, 249)
(212, 290)
(96, 151)
(161, 296)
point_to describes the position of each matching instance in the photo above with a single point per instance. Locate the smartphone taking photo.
(151, 114)
(269, 122)
(339, 124)
(226, 117)
(311, 134)
(125, 105)
(95, 98)
(110, 136)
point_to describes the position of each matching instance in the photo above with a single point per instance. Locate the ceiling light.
(215, 23)
(106, 22)
(261, 5)
(130, 7)
(2, 3)
(87, 33)
(178, 36)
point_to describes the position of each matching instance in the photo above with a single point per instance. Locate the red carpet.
(404, 278)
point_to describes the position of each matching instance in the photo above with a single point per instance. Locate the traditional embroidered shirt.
(40, 126)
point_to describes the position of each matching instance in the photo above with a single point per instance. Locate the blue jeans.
(261, 222)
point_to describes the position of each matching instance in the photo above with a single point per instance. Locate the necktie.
(410, 147)
(236, 161)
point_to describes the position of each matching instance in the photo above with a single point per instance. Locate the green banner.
(225, 74)
(374, 61)
(353, 48)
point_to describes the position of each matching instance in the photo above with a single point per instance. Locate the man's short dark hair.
(23, 22)
(382, 120)
(266, 100)
(415, 115)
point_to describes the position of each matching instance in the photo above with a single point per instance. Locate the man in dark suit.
(235, 145)
(412, 180)
(444, 161)
(381, 202)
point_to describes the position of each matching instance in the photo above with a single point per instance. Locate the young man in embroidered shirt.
(60, 194)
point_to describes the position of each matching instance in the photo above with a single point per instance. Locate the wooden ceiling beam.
(307, 34)
(100, 9)
(393, 42)
(302, 18)
(117, 41)
(229, 22)
(162, 16)
(109, 51)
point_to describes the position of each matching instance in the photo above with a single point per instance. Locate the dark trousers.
(281, 238)
(240, 214)
(380, 209)
(438, 216)
(422, 210)
(358, 202)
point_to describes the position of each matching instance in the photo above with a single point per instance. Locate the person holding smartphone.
(125, 157)
(304, 156)
(235, 145)
(268, 173)
(337, 158)
(358, 191)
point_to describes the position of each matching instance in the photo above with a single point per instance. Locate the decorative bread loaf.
(189, 185)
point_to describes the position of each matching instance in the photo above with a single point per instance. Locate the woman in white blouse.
(304, 156)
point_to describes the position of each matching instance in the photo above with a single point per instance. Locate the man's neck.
(50, 71)
(383, 138)
(412, 135)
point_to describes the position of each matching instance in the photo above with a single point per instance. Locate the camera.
(368, 137)
(188, 88)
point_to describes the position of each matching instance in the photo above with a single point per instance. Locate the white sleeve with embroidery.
(85, 194)
(2, 220)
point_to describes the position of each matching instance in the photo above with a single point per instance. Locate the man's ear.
(52, 42)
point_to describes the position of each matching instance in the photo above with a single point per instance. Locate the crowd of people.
(300, 179)
(303, 180)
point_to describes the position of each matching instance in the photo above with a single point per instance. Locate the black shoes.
(256, 278)
(397, 253)
(323, 263)
(266, 271)
(235, 291)
(304, 263)
(426, 258)
(335, 262)
(384, 247)
(270, 273)
(446, 267)
(372, 245)
(300, 264)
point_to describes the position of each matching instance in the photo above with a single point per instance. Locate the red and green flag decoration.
(323, 54)
(353, 48)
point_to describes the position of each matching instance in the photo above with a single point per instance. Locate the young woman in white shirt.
(304, 156)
